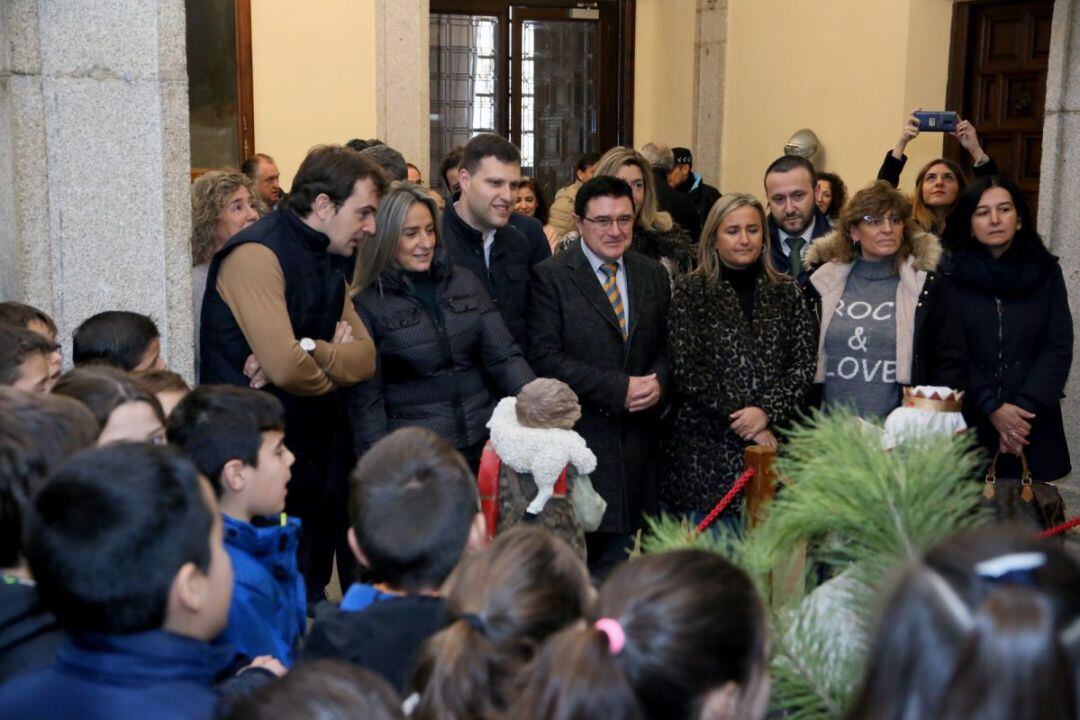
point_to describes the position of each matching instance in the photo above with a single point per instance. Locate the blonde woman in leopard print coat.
(743, 348)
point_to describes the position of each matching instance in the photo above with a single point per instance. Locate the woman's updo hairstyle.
(669, 629)
(505, 601)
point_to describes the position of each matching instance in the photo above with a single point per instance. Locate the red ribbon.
(722, 505)
(1063, 527)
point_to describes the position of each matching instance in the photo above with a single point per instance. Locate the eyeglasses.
(623, 221)
(876, 221)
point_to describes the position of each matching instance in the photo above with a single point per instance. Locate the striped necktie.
(611, 288)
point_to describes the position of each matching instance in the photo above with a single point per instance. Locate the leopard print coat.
(721, 364)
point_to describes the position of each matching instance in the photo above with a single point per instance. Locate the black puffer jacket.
(434, 373)
(1015, 313)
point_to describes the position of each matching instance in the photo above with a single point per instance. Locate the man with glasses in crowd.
(598, 322)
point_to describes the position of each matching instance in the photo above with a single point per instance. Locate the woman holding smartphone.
(940, 182)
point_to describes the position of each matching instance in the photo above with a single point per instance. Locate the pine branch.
(858, 508)
(808, 681)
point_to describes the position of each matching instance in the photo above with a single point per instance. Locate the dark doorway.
(220, 93)
(997, 80)
(553, 76)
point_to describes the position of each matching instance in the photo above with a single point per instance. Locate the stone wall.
(1059, 186)
(94, 162)
(401, 79)
(710, 46)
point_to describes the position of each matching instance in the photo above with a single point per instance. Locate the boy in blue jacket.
(235, 436)
(125, 543)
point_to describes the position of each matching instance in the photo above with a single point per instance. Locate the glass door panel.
(465, 82)
(554, 101)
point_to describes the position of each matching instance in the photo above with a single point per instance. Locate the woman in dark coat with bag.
(1011, 298)
(742, 346)
(442, 345)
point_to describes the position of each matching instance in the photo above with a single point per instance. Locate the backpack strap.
(487, 482)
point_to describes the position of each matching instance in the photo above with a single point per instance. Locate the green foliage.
(861, 511)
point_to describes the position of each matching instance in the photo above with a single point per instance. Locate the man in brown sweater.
(277, 312)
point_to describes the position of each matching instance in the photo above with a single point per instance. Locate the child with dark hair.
(680, 636)
(506, 600)
(29, 317)
(37, 433)
(126, 547)
(984, 625)
(413, 510)
(322, 690)
(235, 436)
(167, 386)
(125, 409)
(123, 339)
(24, 359)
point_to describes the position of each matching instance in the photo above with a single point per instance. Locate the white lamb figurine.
(532, 437)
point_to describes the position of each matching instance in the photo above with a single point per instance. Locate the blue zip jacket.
(154, 674)
(360, 595)
(269, 611)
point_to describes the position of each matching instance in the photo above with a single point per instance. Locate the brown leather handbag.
(1037, 505)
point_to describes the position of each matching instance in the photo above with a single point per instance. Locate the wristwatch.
(307, 345)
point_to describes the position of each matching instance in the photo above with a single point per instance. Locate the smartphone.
(937, 120)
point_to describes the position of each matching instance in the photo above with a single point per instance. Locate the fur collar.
(540, 452)
(926, 250)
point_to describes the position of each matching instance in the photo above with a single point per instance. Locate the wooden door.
(997, 80)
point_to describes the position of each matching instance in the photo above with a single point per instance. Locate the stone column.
(709, 47)
(402, 90)
(1059, 185)
(95, 161)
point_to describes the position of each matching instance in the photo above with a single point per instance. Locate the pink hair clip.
(615, 635)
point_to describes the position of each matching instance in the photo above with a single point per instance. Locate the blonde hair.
(209, 194)
(877, 198)
(376, 254)
(708, 259)
(650, 216)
